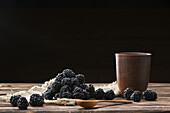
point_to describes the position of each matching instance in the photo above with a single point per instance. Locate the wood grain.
(161, 105)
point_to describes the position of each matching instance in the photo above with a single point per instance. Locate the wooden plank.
(161, 105)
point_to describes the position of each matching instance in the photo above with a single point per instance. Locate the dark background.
(41, 38)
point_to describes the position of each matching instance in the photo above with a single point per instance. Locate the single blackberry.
(59, 77)
(66, 81)
(55, 87)
(57, 95)
(77, 90)
(149, 95)
(83, 86)
(127, 93)
(66, 95)
(109, 95)
(136, 96)
(36, 100)
(14, 99)
(22, 103)
(65, 88)
(78, 95)
(91, 90)
(49, 87)
(48, 95)
(81, 78)
(68, 73)
(86, 94)
(75, 82)
(99, 94)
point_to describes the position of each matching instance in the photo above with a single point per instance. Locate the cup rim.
(133, 54)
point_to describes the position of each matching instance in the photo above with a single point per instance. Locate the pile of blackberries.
(22, 103)
(148, 95)
(69, 85)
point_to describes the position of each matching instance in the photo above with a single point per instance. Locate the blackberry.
(91, 90)
(66, 95)
(22, 103)
(66, 81)
(75, 82)
(57, 95)
(36, 100)
(68, 73)
(99, 94)
(86, 94)
(48, 95)
(59, 77)
(136, 96)
(55, 87)
(78, 95)
(83, 86)
(109, 95)
(49, 87)
(77, 89)
(127, 93)
(149, 95)
(65, 88)
(81, 78)
(14, 99)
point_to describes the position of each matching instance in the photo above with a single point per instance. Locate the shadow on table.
(103, 106)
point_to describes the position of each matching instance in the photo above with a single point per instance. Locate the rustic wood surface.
(161, 105)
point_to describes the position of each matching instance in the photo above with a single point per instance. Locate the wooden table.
(161, 105)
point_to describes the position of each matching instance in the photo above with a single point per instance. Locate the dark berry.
(48, 95)
(36, 100)
(65, 88)
(77, 90)
(81, 78)
(136, 96)
(109, 95)
(66, 95)
(57, 95)
(68, 73)
(127, 93)
(91, 90)
(49, 87)
(75, 82)
(59, 77)
(22, 103)
(83, 86)
(66, 81)
(78, 95)
(55, 87)
(14, 99)
(86, 94)
(149, 95)
(99, 94)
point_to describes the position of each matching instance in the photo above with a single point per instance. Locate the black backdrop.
(36, 43)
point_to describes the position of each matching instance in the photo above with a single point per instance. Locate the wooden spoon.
(92, 103)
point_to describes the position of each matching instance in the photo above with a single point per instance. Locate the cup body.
(133, 70)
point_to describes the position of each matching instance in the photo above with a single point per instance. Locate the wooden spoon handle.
(116, 101)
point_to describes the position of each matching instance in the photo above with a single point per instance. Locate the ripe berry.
(99, 94)
(22, 103)
(66, 81)
(136, 96)
(81, 78)
(149, 95)
(109, 95)
(36, 100)
(48, 94)
(68, 73)
(14, 99)
(127, 93)
(66, 95)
